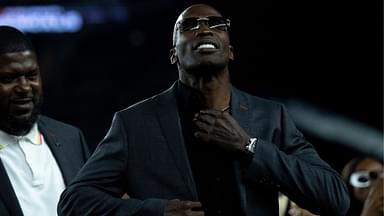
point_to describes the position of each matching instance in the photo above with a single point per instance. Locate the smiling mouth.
(206, 46)
(22, 103)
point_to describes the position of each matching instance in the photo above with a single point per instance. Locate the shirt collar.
(33, 137)
(188, 98)
(5, 139)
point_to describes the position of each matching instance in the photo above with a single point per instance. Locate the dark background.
(328, 54)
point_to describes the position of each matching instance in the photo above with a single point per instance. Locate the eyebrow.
(18, 72)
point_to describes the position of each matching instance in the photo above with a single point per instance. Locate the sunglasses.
(213, 22)
(363, 179)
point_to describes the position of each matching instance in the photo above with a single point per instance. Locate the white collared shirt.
(33, 172)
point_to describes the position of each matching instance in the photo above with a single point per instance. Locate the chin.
(206, 70)
(20, 122)
(23, 117)
(20, 125)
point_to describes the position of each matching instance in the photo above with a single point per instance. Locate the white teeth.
(206, 46)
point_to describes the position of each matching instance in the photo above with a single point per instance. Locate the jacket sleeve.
(84, 146)
(100, 184)
(290, 162)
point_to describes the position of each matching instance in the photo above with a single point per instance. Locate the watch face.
(251, 145)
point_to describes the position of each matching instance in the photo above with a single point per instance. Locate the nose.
(199, 22)
(203, 22)
(202, 29)
(23, 85)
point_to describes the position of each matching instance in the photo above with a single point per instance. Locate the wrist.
(248, 151)
(250, 146)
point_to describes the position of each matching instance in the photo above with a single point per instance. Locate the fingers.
(205, 117)
(203, 126)
(203, 136)
(192, 208)
(195, 213)
(190, 204)
(220, 128)
(206, 120)
(210, 115)
(177, 207)
(211, 112)
(183, 205)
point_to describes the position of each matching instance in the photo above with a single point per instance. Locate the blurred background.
(323, 60)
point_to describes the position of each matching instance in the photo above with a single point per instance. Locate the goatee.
(20, 127)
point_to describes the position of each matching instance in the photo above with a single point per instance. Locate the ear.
(172, 56)
(231, 55)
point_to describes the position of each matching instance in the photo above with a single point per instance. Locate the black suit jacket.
(69, 148)
(144, 155)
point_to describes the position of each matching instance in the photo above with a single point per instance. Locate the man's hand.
(374, 204)
(295, 210)
(177, 207)
(220, 128)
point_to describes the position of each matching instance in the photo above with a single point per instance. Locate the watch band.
(251, 145)
(249, 152)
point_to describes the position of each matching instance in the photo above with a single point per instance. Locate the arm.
(97, 188)
(298, 171)
(84, 146)
(290, 162)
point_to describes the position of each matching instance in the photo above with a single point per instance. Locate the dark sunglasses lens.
(187, 24)
(213, 21)
(373, 175)
(363, 179)
(219, 23)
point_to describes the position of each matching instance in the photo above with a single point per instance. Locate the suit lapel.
(58, 151)
(168, 117)
(240, 112)
(240, 109)
(169, 120)
(7, 193)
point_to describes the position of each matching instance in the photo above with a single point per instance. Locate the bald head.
(13, 40)
(188, 13)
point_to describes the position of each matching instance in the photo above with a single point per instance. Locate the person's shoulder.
(54, 124)
(150, 104)
(256, 101)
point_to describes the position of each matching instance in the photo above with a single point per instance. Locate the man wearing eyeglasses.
(365, 179)
(203, 147)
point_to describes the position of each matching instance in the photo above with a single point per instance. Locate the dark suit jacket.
(69, 148)
(144, 155)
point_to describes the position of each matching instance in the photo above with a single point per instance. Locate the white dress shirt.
(33, 172)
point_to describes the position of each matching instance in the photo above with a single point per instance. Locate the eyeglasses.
(213, 22)
(363, 179)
